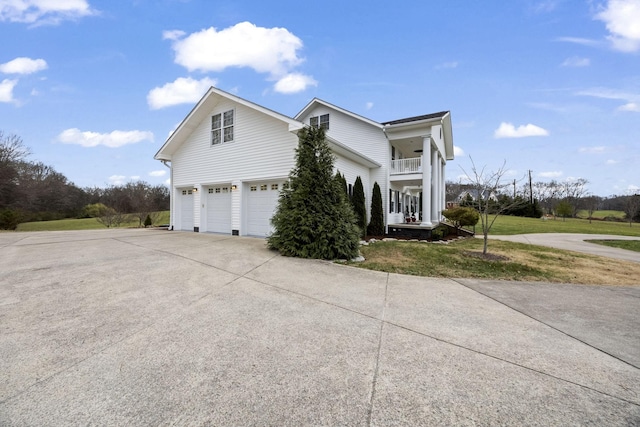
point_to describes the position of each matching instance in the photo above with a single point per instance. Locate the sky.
(94, 87)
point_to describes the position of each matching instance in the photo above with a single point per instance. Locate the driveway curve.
(576, 242)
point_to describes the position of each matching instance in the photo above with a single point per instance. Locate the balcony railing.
(406, 166)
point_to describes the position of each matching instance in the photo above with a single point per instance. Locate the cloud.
(115, 139)
(579, 40)
(507, 130)
(457, 151)
(611, 162)
(23, 65)
(6, 90)
(44, 12)
(576, 61)
(293, 83)
(593, 150)
(117, 179)
(368, 106)
(621, 18)
(158, 173)
(631, 100)
(184, 90)
(550, 174)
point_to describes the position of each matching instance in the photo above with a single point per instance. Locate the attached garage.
(262, 200)
(186, 210)
(218, 210)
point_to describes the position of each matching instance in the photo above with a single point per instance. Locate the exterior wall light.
(195, 189)
(234, 187)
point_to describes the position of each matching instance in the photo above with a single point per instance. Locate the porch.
(406, 166)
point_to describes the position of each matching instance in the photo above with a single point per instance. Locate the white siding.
(351, 170)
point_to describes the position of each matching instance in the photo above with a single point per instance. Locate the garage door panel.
(262, 201)
(186, 210)
(219, 209)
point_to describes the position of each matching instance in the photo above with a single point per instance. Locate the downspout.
(164, 162)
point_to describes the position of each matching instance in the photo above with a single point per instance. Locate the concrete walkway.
(145, 327)
(577, 243)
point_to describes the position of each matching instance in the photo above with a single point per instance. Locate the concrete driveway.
(145, 327)
(576, 242)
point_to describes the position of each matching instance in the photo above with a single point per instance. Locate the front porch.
(421, 232)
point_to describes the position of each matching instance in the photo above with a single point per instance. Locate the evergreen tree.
(343, 182)
(359, 206)
(376, 226)
(313, 218)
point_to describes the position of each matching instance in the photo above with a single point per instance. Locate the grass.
(80, 224)
(631, 245)
(508, 261)
(601, 214)
(508, 225)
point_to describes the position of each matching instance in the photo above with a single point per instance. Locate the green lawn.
(80, 224)
(508, 225)
(631, 245)
(601, 214)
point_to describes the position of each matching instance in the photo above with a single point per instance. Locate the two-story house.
(229, 159)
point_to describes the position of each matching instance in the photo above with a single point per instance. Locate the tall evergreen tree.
(359, 206)
(343, 182)
(313, 218)
(376, 225)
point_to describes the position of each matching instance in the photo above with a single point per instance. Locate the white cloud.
(447, 65)
(579, 40)
(114, 139)
(631, 106)
(576, 61)
(622, 19)
(632, 188)
(611, 162)
(271, 51)
(117, 179)
(23, 65)
(6, 90)
(42, 12)
(134, 177)
(368, 106)
(508, 130)
(550, 174)
(593, 150)
(184, 90)
(158, 173)
(457, 151)
(167, 182)
(294, 82)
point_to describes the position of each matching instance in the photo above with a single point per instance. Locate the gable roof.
(439, 115)
(443, 117)
(316, 101)
(202, 109)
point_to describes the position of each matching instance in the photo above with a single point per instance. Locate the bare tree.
(632, 206)
(487, 186)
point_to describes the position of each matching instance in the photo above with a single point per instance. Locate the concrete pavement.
(575, 242)
(146, 327)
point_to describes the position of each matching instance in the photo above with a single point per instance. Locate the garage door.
(186, 210)
(219, 209)
(262, 200)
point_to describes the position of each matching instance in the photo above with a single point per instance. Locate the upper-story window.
(320, 121)
(222, 127)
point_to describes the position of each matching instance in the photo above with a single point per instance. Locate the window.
(254, 188)
(211, 191)
(274, 186)
(322, 121)
(392, 201)
(217, 190)
(225, 189)
(222, 127)
(263, 187)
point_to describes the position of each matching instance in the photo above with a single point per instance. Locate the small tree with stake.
(313, 218)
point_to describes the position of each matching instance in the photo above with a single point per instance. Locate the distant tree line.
(33, 191)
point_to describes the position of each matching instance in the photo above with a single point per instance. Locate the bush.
(94, 210)
(9, 219)
(376, 226)
(359, 206)
(462, 217)
(147, 221)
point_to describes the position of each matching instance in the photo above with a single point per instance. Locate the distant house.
(230, 158)
(474, 194)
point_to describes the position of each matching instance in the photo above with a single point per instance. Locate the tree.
(359, 206)
(313, 218)
(485, 185)
(376, 225)
(564, 209)
(631, 207)
(343, 182)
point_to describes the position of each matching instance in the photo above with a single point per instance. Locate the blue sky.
(95, 87)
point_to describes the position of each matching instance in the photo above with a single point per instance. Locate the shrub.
(94, 210)
(376, 226)
(147, 221)
(461, 216)
(359, 206)
(9, 219)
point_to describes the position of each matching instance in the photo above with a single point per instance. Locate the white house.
(229, 159)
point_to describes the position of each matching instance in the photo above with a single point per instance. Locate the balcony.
(406, 166)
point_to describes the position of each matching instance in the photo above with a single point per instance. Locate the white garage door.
(219, 209)
(262, 201)
(186, 210)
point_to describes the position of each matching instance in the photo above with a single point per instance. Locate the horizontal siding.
(262, 147)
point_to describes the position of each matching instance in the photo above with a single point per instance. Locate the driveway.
(577, 243)
(147, 327)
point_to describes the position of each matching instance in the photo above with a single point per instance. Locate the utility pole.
(530, 188)
(514, 189)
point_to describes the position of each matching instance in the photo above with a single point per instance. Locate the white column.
(426, 184)
(435, 186)
(443, 200)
